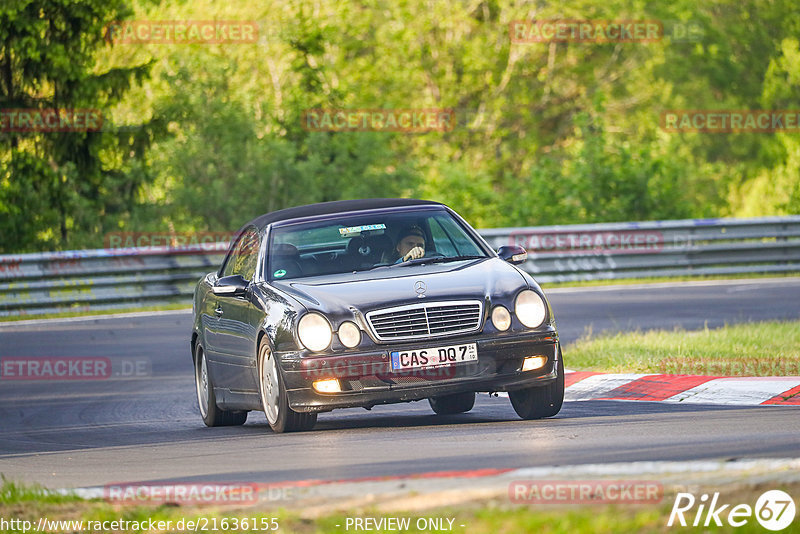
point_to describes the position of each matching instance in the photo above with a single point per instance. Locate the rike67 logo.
(774, 510)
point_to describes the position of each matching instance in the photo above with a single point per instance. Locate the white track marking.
(737, 391)
(598, 386)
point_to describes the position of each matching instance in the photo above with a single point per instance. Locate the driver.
(410, 244)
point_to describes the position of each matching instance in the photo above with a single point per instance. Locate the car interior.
(358, 252)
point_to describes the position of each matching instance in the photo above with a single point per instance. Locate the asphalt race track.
(85, 433)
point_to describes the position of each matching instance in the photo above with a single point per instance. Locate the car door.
(235, 332)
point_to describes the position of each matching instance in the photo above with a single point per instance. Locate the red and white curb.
(687, 389)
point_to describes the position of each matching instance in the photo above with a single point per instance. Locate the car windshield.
(367, 241)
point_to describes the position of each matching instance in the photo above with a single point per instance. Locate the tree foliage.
(546, 133)
(58, 186)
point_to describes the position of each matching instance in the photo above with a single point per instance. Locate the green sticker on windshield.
(280, 273)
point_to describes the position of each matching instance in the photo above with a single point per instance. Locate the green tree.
(56, 188)
(547, 133)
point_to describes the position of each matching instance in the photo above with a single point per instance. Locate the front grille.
(426, 320)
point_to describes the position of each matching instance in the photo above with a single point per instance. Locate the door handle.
(218, 311)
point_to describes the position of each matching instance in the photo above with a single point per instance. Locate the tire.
(453, 404)
(542, 401)
(274, 400)
(207, 401)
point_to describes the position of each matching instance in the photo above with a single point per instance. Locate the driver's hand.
(414, 253)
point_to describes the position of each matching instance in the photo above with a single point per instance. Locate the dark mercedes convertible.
(364, 302)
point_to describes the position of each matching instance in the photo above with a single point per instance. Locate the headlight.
(314, 332)
(501, 318)
(349, 334)
(530, 308)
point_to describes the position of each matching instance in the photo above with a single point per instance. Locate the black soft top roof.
(337, 206)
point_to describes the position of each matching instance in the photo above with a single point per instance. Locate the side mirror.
(230, 286)
(513, 254)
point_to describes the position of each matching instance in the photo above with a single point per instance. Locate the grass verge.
(747, 349)
(663, 279)
(487, 516)
(15, 493)
(86, 313)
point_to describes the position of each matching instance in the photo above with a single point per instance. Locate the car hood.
(395, 286)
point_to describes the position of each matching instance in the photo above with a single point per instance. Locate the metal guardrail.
(693, 247)
(89, 280)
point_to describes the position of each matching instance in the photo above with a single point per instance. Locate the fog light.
(531, 363)
(327, 385)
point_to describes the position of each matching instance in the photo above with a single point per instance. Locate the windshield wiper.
(439, 259)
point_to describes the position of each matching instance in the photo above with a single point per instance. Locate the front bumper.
(367, 379)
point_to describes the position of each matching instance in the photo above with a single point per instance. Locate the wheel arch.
(193, 345)
(262, 333)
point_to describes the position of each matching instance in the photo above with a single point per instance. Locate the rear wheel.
(207, 401)
(542, 401)
(274, 400)
(452, 404)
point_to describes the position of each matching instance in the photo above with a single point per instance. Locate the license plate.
(435, 357)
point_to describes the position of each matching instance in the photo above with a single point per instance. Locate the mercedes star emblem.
(420, 288)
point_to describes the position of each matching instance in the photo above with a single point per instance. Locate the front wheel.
(542, 401)
(207, 401)
(453, 404)
(274, 400)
